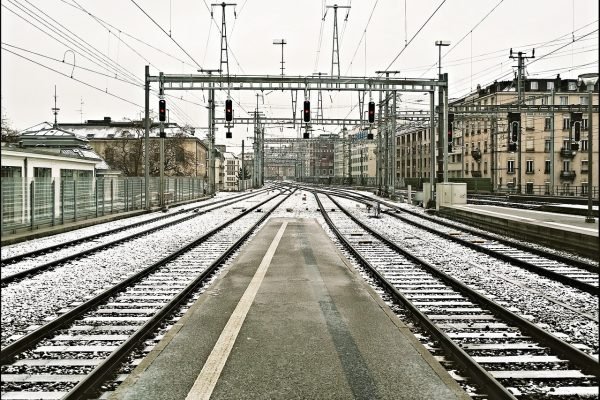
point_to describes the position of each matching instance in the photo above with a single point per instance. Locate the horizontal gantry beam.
(278, 82)
(525, 108)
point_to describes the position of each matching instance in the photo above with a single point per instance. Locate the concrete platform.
(289, 319)
(561, 231)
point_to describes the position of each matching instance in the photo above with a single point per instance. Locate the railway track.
(503, 353)
(28, 264)
(72, 355)
(569, 271)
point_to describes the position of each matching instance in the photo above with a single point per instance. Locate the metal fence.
(28, 204)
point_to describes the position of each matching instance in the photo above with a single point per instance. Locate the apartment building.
(552, 160)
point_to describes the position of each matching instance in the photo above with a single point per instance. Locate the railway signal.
(228, 110)
(371, 112)
(450, 131)
(162, 110)
(306, 111)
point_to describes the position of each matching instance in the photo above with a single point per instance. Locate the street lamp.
(590, 81)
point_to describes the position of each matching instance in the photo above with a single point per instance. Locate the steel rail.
(575, 283)
(520, 246)
(90, 383)
(8, 352)
(478, 373)
(570, 352)
(19, 257)
(51, 264)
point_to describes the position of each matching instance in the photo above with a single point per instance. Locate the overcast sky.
(111, 41)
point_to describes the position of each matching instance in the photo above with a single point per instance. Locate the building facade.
(553, 157)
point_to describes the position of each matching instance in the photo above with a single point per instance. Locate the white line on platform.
(208, 377)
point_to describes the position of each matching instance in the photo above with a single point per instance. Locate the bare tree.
(126, 153)
(9, 135)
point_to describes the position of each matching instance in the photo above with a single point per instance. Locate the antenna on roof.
(81, 103)
(55, 109)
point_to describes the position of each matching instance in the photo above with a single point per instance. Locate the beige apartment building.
(552, 161)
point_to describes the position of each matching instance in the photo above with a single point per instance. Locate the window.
(534, 86)
(572, 85)
(39, 172)
(584, 100)
(485, 146)
(547, 144)
(563, 100)
(529, 167)
(549, 85)
(547, 123)
(529, 145)
(510, 167)
(584, 124)
(547, 166)
(485, 167)
(566, 122)
(584, 166)
(566, 165)
(584, 145)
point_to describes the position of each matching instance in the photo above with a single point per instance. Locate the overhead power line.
(75, 79)
(415, 35)
(170, 37)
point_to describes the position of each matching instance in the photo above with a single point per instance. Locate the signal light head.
(228, 110)
(306, 111)
(371, 112)
(162, 110)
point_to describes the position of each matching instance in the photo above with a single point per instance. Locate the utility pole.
(552, 133)
(520, 56)
(147, 136)
(55, 109)
(80, 110)
(224, 54)
(211, 134)
(243, 171)
(335, 51)
(431, 143)
(379, 160)
(282, 43)
(442, 117)
(393, 149)
(387, 151)
(319, 110)
(162, 147)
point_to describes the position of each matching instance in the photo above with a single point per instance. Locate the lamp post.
(590, 81)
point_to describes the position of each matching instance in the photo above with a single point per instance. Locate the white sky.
(481, 56)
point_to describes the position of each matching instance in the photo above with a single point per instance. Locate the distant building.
(232, 167)
(552, 161)
(121, 144)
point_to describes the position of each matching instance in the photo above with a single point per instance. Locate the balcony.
(476, 153)
(476, 174)
(567, 175)
(567, 153)
(575, 146)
